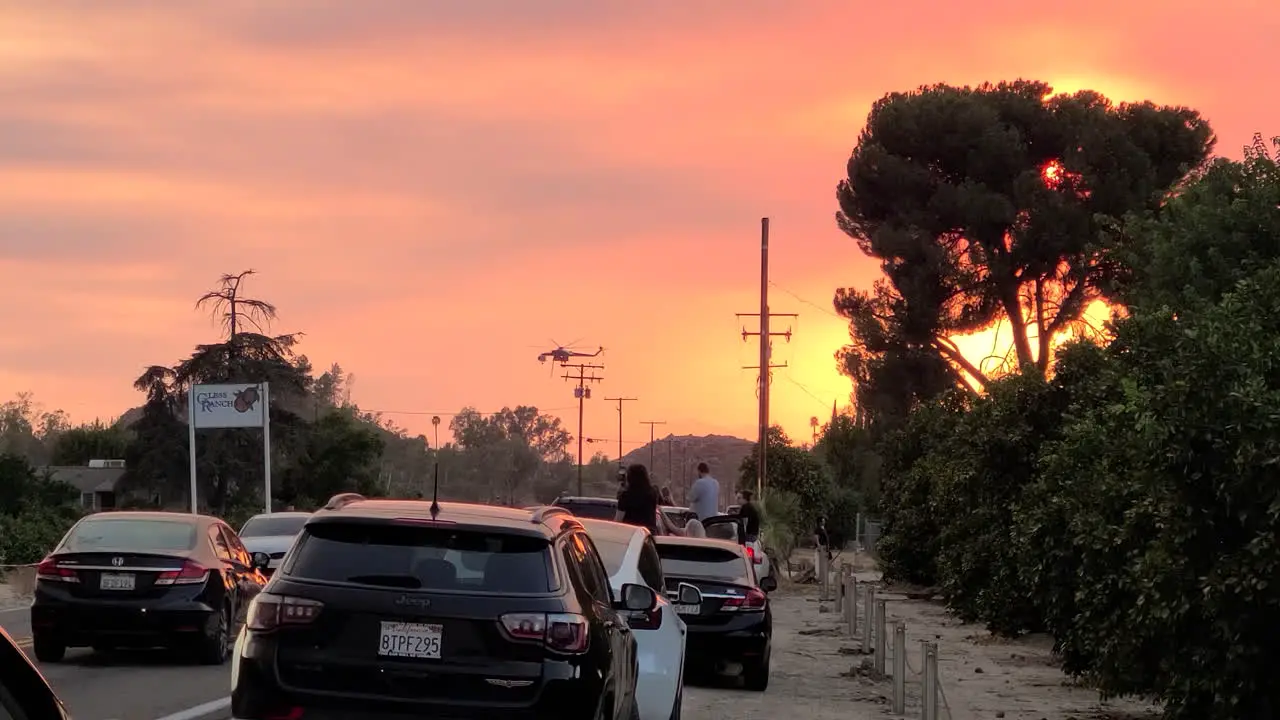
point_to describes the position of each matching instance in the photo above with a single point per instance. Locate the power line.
(805, 389)
(449, 414)
(652, 424)
(806, 301)
(620, 400)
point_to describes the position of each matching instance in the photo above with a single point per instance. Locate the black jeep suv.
(386, 609)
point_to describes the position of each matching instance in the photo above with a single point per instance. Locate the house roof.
(87, 479)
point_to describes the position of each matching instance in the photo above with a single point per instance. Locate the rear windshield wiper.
(408, 582)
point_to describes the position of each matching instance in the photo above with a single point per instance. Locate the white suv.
(630, 557)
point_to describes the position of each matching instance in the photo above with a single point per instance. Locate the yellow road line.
(22, 642)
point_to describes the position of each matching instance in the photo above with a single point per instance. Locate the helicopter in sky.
(562, 354)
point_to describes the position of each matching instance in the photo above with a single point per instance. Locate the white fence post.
(869, 618)
(851, 606)
(880, 639)
(824, 574)
(900, 668)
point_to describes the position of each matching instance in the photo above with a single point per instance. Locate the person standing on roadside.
(704, 495)
(750, 515)
(638, 503)
(665, 496)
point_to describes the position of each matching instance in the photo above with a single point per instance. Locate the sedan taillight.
(754, 601)
(50, 570)
(191, 573)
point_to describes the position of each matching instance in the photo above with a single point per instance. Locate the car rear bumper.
(257, 693)
(85, 622)
(738, 646)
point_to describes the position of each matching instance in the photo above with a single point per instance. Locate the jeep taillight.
(270, 612)
(566, 633)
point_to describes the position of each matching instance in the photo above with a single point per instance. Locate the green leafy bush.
(914, 458)
(1173, 512)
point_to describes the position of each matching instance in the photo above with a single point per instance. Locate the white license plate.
(688, 609)
(410, 640)
(117, 581)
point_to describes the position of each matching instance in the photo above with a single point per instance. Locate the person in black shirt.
(638, 503)
(750, 515)
(821, 538)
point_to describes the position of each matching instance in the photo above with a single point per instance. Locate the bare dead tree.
(233, 310)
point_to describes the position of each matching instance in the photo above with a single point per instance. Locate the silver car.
(273, 534)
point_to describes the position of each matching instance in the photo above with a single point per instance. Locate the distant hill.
(676, 457)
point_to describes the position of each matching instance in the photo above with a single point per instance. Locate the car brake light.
(751, 554)
(559, 632)
(753, 601)
(269, 612)
(50, 570)
(190, 573)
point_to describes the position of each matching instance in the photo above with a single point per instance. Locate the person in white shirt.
(705, 494)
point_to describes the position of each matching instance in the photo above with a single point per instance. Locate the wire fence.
(917, 689)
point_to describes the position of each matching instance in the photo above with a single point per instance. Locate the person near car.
(622, 482)
(665, 496)
(705, 494)
(638, 502)
(750, 515)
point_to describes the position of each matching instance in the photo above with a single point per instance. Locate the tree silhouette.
(234, 309)
(986, 205)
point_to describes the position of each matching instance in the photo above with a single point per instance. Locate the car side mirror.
(638, 598)
(769, 584)
(688, 595)
(260, 560)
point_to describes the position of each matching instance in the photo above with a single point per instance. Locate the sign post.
(239, 405)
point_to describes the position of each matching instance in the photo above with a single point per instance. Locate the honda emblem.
(117, 561)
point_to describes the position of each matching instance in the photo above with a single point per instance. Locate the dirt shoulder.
(819, 672)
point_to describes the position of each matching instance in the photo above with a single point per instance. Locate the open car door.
(726, 527)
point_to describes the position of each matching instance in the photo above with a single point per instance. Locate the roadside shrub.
(780, 529)
(989, 459)
(1169, 497)
(915, 455)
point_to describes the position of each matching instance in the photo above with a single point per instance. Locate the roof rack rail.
(341, 500)
(540, 514)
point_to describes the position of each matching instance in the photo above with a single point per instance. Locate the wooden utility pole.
(620, 400)
(582, 392)
(651, 424)
(766, 346)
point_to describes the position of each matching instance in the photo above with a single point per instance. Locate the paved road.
(124, 686)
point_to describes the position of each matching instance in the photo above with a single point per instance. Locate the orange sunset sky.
(434, 190)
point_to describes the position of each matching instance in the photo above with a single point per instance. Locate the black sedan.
(734, 623)
(145, 579)
(24, 694)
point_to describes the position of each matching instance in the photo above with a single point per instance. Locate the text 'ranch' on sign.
(228, 406)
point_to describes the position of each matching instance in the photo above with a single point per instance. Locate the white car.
(731, 527)
(630, 556)
(273, 534)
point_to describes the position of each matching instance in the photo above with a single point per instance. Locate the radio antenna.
(435, 491)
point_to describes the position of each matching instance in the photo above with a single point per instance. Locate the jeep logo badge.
(411, 601)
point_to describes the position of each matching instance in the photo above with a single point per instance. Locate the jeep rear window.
(700, 561)
(426, 558)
